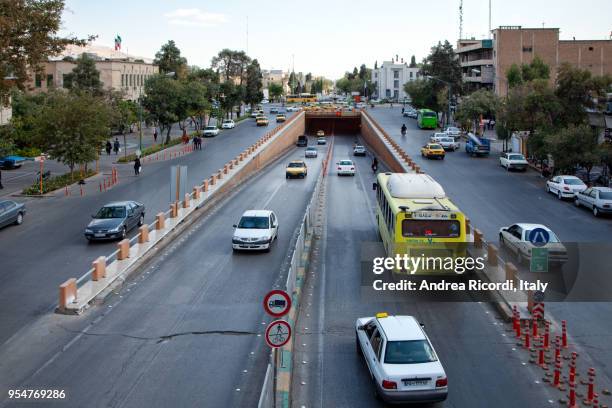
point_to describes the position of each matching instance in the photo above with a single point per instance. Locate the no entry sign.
(277, 303)
(278, 333)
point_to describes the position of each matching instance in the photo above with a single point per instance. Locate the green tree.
(514, 76)
(482, 103)
(413, 63)
(574, 146)
(162, 99)
(575, 90)
(293, 83)
(22, 128)
(423, 94)
(536, 69)
(85, 77)
(442, 63)
(363, 72)
(231, 64)
(169, 59)
(75, 127)
(253, 93)
(28, 36)
(275, 90)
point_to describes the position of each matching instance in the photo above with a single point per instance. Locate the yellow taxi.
(261, 121)
(432, 151)
(320, 133)
(281, 118)
(296, 168)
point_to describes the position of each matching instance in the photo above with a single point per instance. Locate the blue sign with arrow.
(539, 237)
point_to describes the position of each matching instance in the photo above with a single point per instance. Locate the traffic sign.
(539, 260)
(277, 303)
(539, 237)
(278, 333)
(538, 296)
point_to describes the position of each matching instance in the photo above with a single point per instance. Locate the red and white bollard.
(564, 333)
(527, 344)
(572, 367)
(572, 394)
(546, 334)
(595, 401)
(541, 361)
(591, 387)
(557, 348)
(557, 376)
(534, 328)
(515, 318)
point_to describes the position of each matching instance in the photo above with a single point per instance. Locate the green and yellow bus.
(416, 218)
(301, 98)
(427, 119)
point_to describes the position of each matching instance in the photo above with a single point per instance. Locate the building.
(6, 112)
(118, 71)
(391, 77)
(275, 76)
(517, 45)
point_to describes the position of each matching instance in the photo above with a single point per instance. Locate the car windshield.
(452, 129)
(573, 181)
(254, 223)
(311, 149)
(210, 128)
(409, 352)
(296, 165)
(605, 195)
(552, 237)
(516, 157)
(435, 146)
(227, 121)
(346, 163)
(447, 140)
(111, 212)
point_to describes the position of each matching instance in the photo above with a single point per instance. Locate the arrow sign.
(278, 333)
(539, 237)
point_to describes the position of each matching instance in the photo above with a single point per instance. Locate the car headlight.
(115, 229)
(88, 231)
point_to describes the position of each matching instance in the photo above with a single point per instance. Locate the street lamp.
(450, 93)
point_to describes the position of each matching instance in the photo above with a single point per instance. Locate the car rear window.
(435, 146)
(409, 352)
(572, 182)
(254, 223)
(516, 157)
(346, 163)
(296, 165)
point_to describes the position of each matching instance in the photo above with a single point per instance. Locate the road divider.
(76, 294)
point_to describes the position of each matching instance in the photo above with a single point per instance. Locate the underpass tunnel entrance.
(332, 124)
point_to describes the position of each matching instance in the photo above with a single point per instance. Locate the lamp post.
(450, 93)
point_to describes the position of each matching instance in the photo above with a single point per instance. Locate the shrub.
(56, 182)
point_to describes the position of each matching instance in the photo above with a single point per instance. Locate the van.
(302, 141)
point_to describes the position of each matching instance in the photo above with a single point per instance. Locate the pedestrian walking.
(155, 135)
(109, 147)
(403, 109)
(116, 146)
(199, 142)
(137, 166)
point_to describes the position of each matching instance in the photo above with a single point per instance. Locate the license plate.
(415, 382)
(99, 235)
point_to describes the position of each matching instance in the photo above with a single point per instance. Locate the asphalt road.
(188, 330)
(482, 367)
(493, 197)
(49, 247)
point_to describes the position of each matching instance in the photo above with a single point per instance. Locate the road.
(493, 197)
(186, 331)
(478, 357)
(49, 247)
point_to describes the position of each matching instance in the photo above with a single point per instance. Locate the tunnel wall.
(373, 136)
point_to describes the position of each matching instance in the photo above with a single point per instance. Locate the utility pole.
(460, 19)
(489, 19)
(247, 35)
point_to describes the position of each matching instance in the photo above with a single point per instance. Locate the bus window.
(431, 228)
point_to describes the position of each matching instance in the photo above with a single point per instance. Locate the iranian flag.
(117, 42)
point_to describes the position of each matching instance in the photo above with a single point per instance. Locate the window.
(396, 83)
(395, 74)
(413, 228)
(67, 81)
(411, 74)
(590, 48)
(49, 80)
(376, 343)
(38, 81)
(527, 49)
(409, 352)
(131, 79)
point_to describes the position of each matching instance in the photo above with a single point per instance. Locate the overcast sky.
(326, 37)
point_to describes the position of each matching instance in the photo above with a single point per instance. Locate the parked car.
(565, 186)
(359, 150)
(11, 212)
(264, 101)
(513, 161)
(346, 168)
(302, 141)
(311, 152)
(228, 124)
(254, 114)
(11, 162)
(432, 150)
(296, 168)
(598, 199)
(256, 230)
(211, 131)
(447, 142)
(516, 239)
(115, 220)
(321, 141)
(401, 359)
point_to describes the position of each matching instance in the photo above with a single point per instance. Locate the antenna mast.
(461, 19)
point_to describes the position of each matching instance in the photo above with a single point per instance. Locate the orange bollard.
(557, 377)
(186, 200)
(160, 221)
(205, 188)
(99, 271)
(67, 293)
(124, 249)
(527, 344)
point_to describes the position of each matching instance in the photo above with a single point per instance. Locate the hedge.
(56, 182)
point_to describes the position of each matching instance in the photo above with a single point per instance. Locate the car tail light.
(442, 382)
(389, 385)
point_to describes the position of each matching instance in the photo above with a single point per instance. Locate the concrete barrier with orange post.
(220, 174)
(196, 192)
(67, 293)
(124, 249)
(511, 271)
(225, 169)
(205, 185)
(99, 271)
(143, 235)
(187, 200)
(160, 221)
(477, 238)
(173, 210)
(492, 252)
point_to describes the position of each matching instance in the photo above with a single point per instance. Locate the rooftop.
(398, 328)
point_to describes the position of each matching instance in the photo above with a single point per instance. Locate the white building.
(390, 78)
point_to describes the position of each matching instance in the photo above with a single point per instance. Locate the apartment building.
(391, 77)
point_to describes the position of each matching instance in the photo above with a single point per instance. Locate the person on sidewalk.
(116, 146)
(137, 166)
(109, 147)
(155, 135)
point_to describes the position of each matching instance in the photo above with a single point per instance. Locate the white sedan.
(512, 161)
(598, 199)
(516, 238)
(256, 230)
(228, 124)
(402, 361)
(565, 186)
(211, 131)
(346, 168)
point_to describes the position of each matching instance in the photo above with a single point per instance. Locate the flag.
(117, 42)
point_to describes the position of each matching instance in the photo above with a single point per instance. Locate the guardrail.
(76, 293)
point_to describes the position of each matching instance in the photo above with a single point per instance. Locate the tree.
(423, 94)
(344, 85)
(231, 64)
(28, 36)
(275, 90)
(169, 59)
(162, 98)
(514, 76)
(26, 108)
(75, 126)
(482, 103)
(192, 103)
(85, 77)
(292, 83)
(253, 91)
(443, 64)
(363, 72)
(574, 146)
(308, 77)
(536, 69)
(375, 64)
(574, 89)
(413, 63)
(231, 95)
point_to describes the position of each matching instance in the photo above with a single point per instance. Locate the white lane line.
(269, 200)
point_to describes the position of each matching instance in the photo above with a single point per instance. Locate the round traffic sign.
(278, 333)
(277, 303)
(539, 237)
(538, 296)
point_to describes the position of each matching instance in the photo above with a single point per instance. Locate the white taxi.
(256, 230)
(401, 359)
